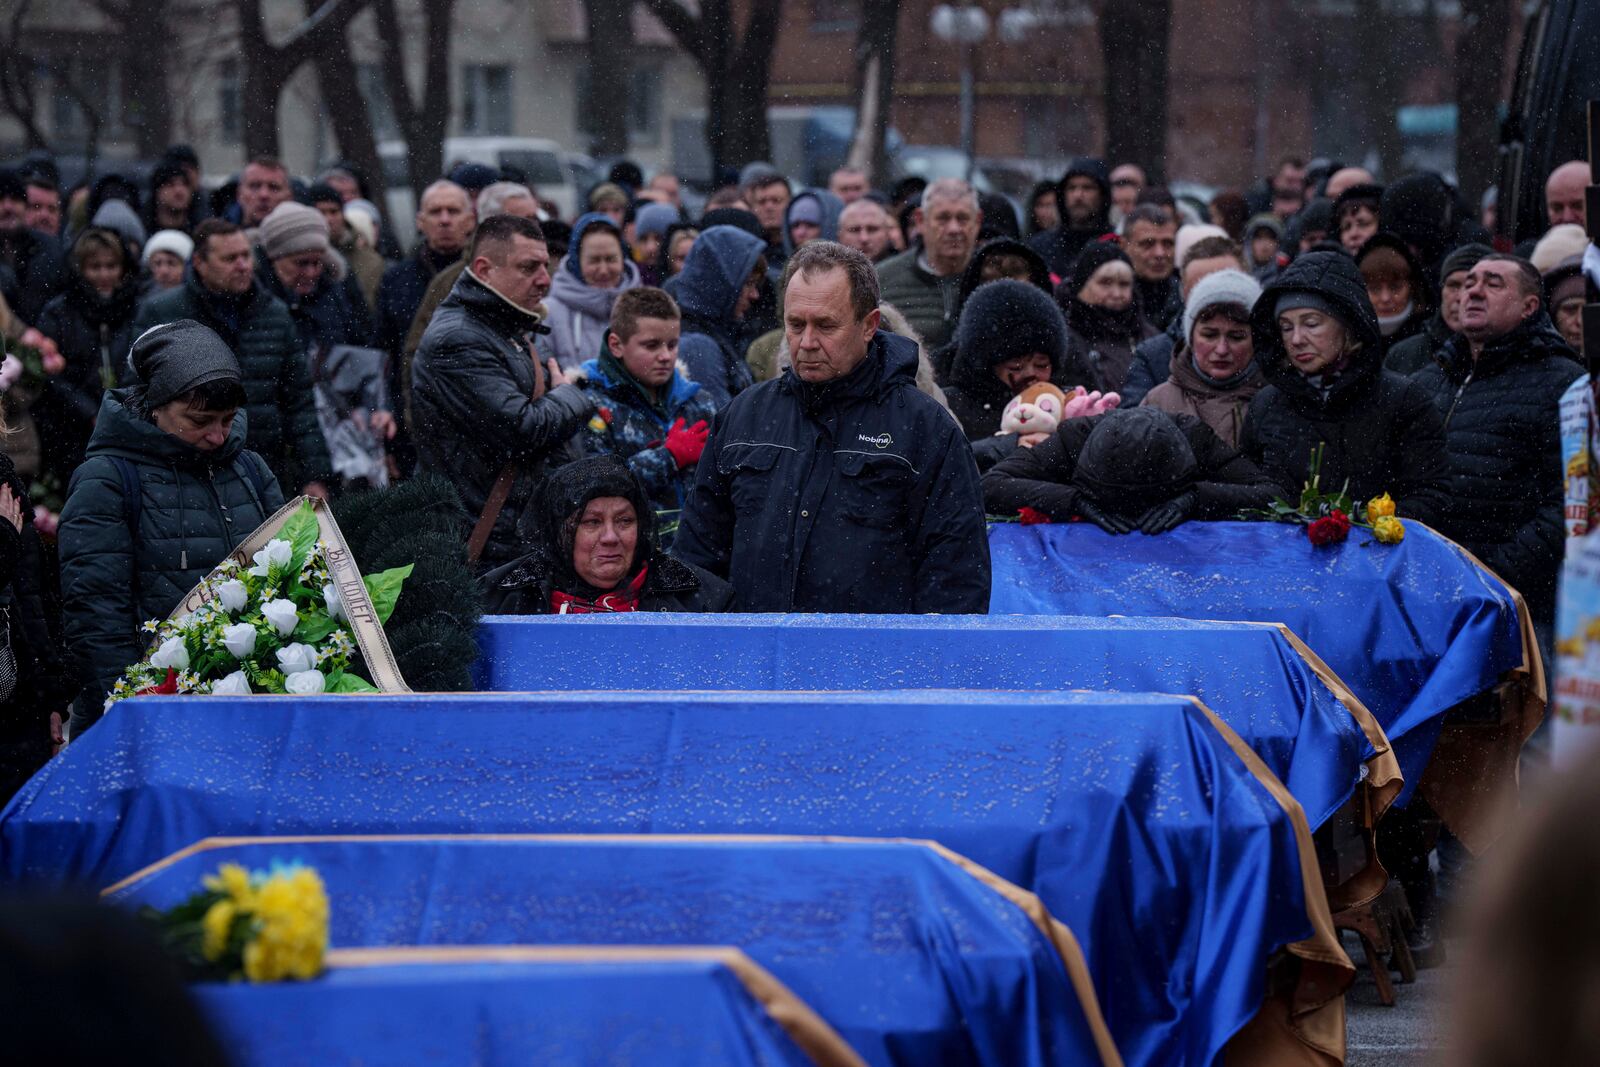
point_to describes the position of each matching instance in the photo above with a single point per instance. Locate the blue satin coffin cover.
(1144, 824)
(1306, 726)
(903, 951)
(551, 1008)
(1413, 629)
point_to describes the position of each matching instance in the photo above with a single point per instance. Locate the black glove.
(1168, 516)
(1108, 521)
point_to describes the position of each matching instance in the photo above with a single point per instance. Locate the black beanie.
(733, 216)
(1008, 319)
(1095, 255)
(1135, 458)
(1463, 258)
(172, 359)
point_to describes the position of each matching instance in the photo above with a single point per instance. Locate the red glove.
(1032, 517)
(687, 444)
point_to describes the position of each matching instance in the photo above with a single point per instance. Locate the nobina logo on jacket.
(883, 440)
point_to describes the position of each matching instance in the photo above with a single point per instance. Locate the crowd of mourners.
(801, 400)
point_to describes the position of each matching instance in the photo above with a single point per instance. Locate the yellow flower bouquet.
(261, 926)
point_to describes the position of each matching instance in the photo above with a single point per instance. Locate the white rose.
(330, 597)
(240, 639)
(278, 553)
(281, 614)
(172, 654)
(305, 683)
(233, 595)
(295, 658)
(234, 685)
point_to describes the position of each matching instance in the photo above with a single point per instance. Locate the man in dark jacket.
(1152, 357)
(1499, 387)
(720, 280)
(1424, 348)
(1150, 236)
(1083, 198)
(562, 576)
(1139, 469)
(220, 291)
(296, 251)
(839, 486)
(34, 258)
(488, 416)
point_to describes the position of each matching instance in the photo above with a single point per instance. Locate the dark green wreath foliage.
(434, 629)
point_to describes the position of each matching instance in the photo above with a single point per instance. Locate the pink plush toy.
(1041, 408)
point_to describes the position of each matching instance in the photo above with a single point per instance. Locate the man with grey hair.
(924, 281)
(507, 198)
(838, 486)
(445, 222)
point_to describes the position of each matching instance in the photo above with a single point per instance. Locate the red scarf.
(623, 599)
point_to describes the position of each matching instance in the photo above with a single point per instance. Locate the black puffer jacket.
(1381, 432)
(1502, 430)
(859, 495)
(333, 313)
(472, 395)
(525, 586)
(38, 271)
(193, 509)
(93, 333)
(1420, 350)
(277, 383)
(1142, 465)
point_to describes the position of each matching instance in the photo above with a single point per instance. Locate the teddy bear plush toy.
(1041, 408)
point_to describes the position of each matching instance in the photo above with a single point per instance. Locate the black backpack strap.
(253, 475)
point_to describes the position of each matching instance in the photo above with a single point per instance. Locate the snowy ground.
(1410, 1034)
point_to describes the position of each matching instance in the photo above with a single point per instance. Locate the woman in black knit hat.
(1103, 320)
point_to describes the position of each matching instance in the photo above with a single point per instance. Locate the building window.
(370, 83)
(486, 100)
(230, 109)
(834, 16)
(644, 104)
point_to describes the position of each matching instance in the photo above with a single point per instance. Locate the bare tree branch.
(681, 24)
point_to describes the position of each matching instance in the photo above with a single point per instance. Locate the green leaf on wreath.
(345, 682)
(301, 531)
(314, 628)
(384, 590)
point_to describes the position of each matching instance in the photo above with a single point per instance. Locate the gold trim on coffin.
(1056, 932)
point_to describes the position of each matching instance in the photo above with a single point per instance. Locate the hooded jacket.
(1129, 462)
(630, 425)
(1004, 320)
(277, 382)
(972, 277)
(578, 314)
(525, 586)
(1221, 407)
(830, 206)
(472, 394)
(1061, 246)
(1382, 433)
(1502, 430)
(707, 291)
(194, 508)
(856, 495)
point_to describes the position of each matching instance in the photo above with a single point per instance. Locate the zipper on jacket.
(1462, 388)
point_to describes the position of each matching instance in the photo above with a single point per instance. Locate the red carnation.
(1032, 517)
(166, 688)
(605, 415)
(1330, 529)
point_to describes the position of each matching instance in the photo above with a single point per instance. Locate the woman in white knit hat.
(1214, 372)
(165, 256)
